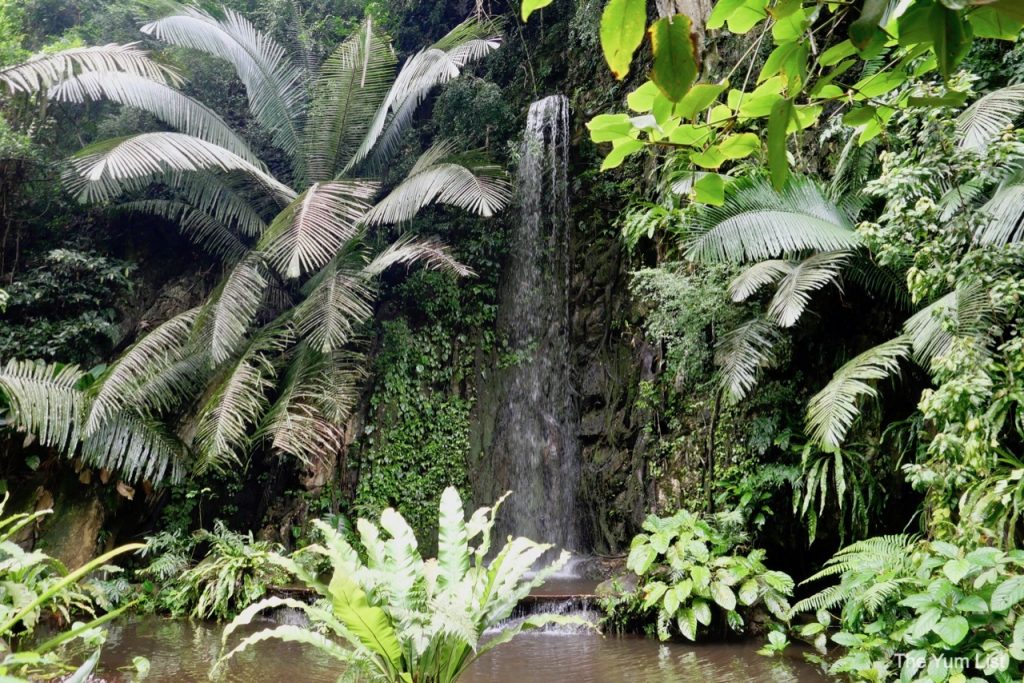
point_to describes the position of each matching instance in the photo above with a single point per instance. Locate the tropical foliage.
(235, 571)
(35, 587)
(917, 610)
(400, 618)
(268, 359)
(689, 569)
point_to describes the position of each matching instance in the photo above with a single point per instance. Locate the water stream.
(534, 449)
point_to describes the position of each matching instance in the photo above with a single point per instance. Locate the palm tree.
(803, 239)
(267, 359)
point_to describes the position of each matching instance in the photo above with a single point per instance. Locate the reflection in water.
(180, 652)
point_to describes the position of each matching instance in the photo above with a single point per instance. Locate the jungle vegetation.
(252, 260)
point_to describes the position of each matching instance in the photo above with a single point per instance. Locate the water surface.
(180, 652)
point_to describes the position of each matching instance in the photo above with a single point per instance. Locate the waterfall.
(533, 449)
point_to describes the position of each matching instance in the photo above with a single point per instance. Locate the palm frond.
(806, 277)
(878, 280)
(105, 169)
(988, 116)
(307, 419)
(137, 446)
(44, 400)
(478, 188)
(43, 70)
(762, 273)
(240, 400)
(832, 411)
(148, 357)
(234, 307)
(341, 299)
(308, 232)
(742, 352)
(273, 83)
(425, 70)
(1003, 221)
(408, 250)
(852, 169)
(201, 228)
(168, 104)
(231, 200)
(758, 223)
(351, 86)
(966, 311)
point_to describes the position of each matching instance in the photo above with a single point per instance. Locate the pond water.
(180, 651)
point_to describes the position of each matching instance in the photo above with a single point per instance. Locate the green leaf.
(619, 152)
(723, 595)
(741, 15)
(739, 146)
(690, 135)
(1008, 594)
(653, 592)
(641, 100)
(531, 6)
(369, 624)
(675, 59)
(710, 190)
(956, 570)
(610, 127)
(710, 158)
(837, 53)
(687, 623)
(748, 592)
(671, 602)
(702, 610)
(974, 604)
(778, 122)
(622, 30)
(640, 559)
(698, 99)
(988, 22)
(878, 84)
(723, 10)
(1009, 8)
(952, 629)
(866, 26)
(951, 39)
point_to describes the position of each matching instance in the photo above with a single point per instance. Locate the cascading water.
(533, 449)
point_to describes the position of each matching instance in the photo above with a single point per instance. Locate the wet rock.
(71, 533)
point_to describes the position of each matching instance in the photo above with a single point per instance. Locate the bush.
(399, 618)
(922, 611)
(235, 571)
(688, 568)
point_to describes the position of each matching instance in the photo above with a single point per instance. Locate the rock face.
(71, 533)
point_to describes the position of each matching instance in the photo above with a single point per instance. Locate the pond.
(180, 651)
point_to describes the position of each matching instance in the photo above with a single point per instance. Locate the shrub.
(688, 568)
(401, 618)
(922, 611)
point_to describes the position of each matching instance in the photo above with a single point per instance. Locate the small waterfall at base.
(534, 451)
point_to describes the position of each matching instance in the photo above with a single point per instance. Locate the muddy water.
(180, 652)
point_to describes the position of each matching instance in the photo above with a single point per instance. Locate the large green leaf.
(370, 624)
(452, 540)
(676, 61)
(622, 30)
